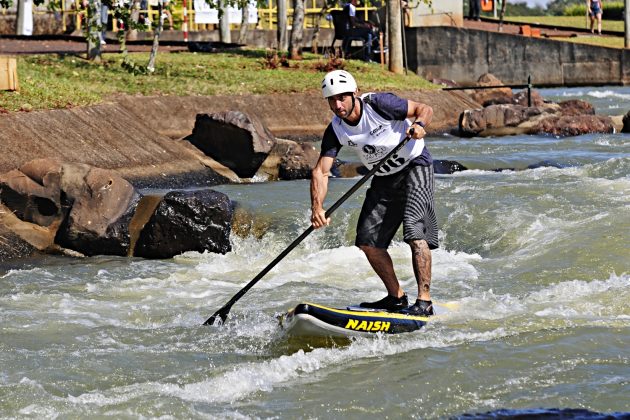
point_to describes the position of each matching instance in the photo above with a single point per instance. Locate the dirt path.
(69, 45)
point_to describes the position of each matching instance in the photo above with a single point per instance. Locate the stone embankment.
(71, 179)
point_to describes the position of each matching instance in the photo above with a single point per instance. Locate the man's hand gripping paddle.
(225, 310)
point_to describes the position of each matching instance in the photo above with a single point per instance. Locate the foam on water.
(245, 379)
(558, 301)
(609, 94)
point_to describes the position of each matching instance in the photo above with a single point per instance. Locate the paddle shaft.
(225, 310)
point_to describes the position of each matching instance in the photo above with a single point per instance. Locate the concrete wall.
(465, 54)
(135, 135)
(441, 13)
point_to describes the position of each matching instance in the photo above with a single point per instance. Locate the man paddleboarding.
(401, 192)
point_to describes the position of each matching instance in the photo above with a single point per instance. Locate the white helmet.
(338, 81)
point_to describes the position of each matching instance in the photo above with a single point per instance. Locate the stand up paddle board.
(314, 320)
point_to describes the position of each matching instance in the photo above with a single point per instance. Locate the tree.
(395, 35)
(394, 26)
(94, 30)
(242, 31)
(297, 30)
(282, 25)
(224, 21)
(156, 37)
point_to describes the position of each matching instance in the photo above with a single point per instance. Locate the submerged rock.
(626, 123)
(343, 169)
(447, 167)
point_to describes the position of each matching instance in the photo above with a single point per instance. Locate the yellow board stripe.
(370, 314)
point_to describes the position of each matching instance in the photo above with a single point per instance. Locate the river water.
(534, 263)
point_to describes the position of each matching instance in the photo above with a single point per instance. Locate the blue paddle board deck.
(314, 320)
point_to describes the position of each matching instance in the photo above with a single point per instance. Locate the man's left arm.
(422, 114)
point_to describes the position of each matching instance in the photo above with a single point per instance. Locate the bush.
(612, 10)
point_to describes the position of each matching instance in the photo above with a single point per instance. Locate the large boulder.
(75, 206)
(102, 205)
(33, 192)
(575, 125)
(187, 221)
(576, 107)
(569, 118)
(13, 245)
(494, 119)
(32, 208)
(491, 96)
(298, 162)
(521, 98)
(290, 160)
(237, 140)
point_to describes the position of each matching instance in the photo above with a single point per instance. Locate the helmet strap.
(353, 104)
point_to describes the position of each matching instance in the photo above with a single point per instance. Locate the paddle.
(225, 310)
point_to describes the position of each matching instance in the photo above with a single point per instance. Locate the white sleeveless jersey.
(374, 137)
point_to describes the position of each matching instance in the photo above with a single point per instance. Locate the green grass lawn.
(601, 41)
(570, 21)
(50, 81)
(578, 22)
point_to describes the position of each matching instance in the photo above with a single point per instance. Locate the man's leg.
(382, 264)
(380, 217)
(421, 233)
(368, 46)
(421, 261)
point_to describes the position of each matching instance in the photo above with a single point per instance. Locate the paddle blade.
(221, 314)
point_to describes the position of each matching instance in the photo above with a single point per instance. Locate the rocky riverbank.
(58, 167)
(74, 181)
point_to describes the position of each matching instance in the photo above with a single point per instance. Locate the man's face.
(341, 104)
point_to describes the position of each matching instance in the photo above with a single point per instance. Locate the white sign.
(206, 14)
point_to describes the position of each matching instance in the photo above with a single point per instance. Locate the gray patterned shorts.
(405, 197)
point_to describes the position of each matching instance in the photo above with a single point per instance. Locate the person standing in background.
(474, 9)
(595, 10)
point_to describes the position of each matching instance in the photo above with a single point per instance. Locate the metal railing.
(528, 86)
(267, 16)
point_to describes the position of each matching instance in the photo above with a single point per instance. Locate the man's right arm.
(319, 189)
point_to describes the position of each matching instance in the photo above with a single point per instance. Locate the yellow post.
(77, 16)
(63, 16)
